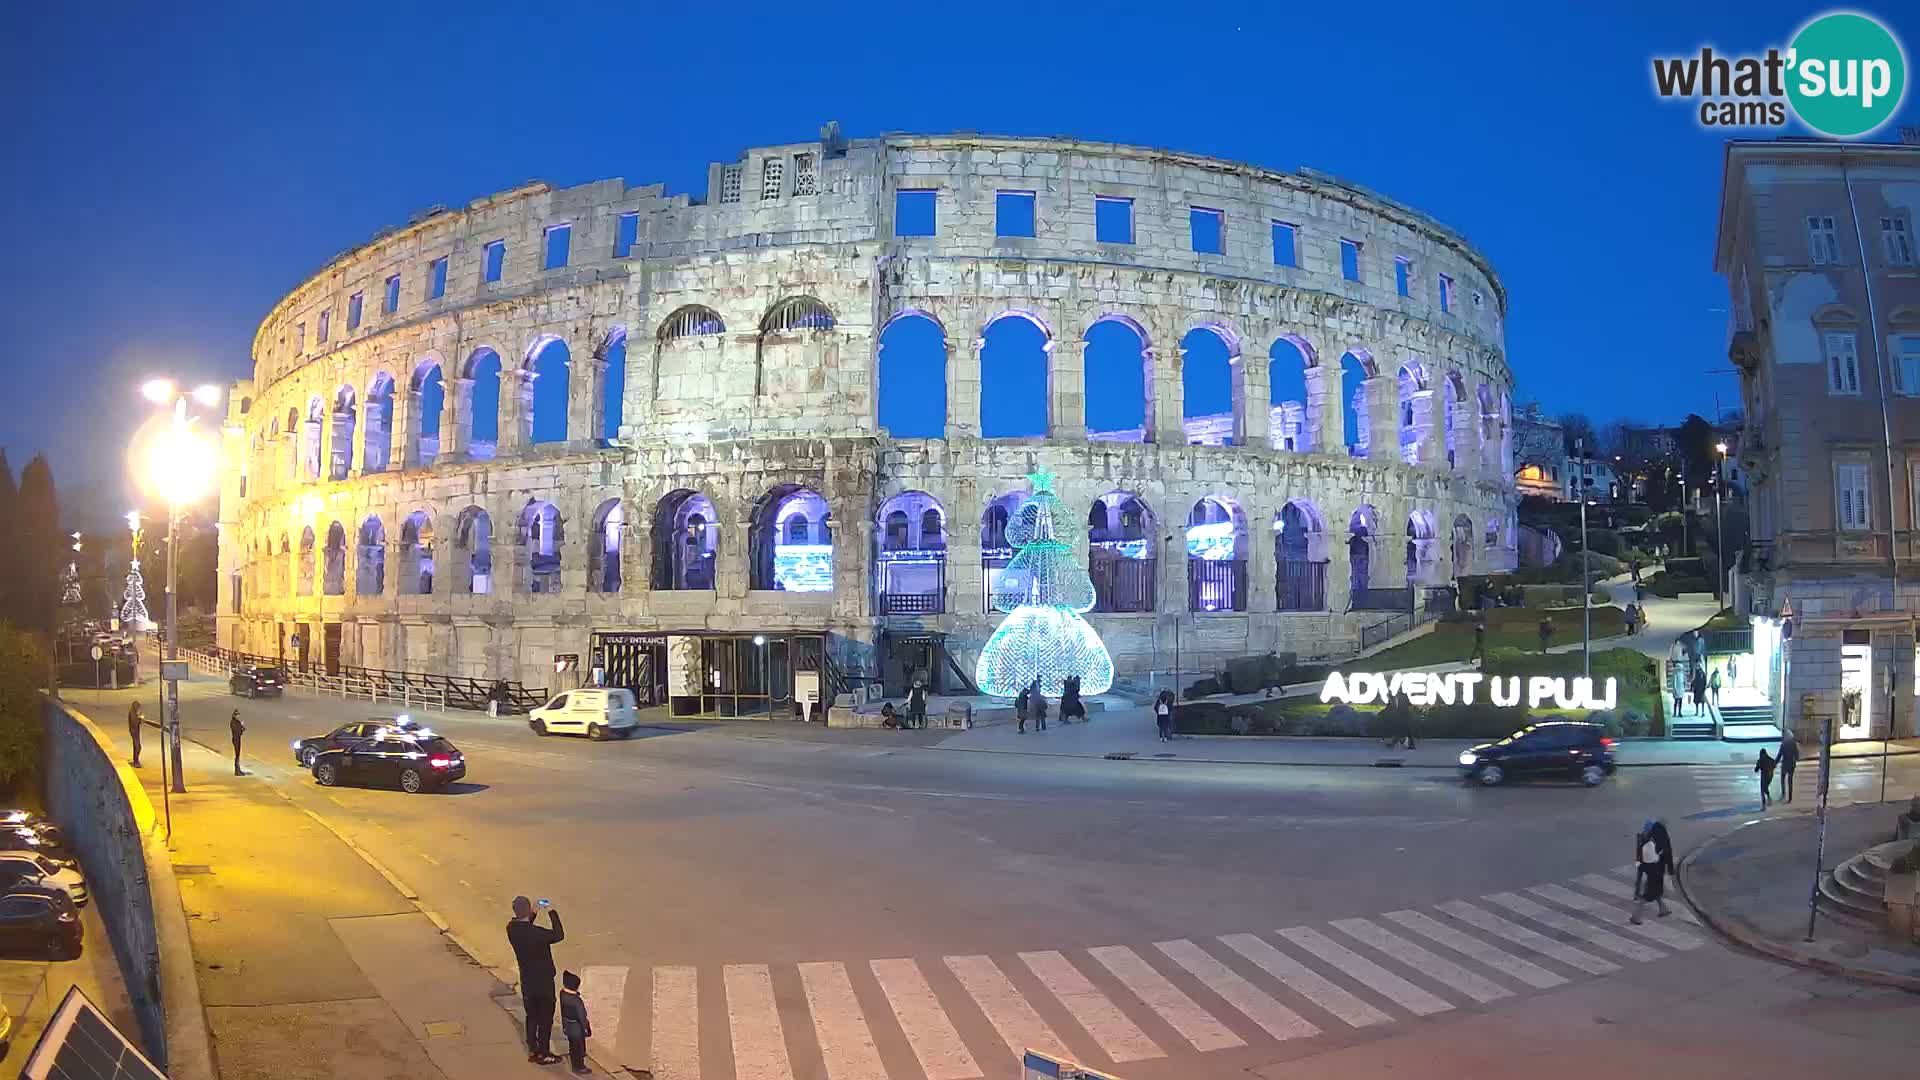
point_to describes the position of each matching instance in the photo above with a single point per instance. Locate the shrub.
(23, 670)
(1203, 718)
(1250, 673)
(1670, 585)
(1694, 566)
(1200, 688)
(1606, 542)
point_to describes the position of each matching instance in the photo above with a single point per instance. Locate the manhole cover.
(445, 1029)
(191, 868)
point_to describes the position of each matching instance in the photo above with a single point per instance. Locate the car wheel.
(309, 756)
(539, 727)
(326, 774)
(596, 733)
(410, 782)
(1491, 775)
(1592, 775)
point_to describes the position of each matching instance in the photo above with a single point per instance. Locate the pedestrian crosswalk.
(1727, 788)
(971, 1016)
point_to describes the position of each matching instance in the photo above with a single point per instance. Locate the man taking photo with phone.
(533, 950)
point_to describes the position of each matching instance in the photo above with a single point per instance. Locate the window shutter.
(1855, 512)
(1843, 365)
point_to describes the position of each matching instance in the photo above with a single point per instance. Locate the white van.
(591, 712)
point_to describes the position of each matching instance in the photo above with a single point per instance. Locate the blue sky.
(173, 171)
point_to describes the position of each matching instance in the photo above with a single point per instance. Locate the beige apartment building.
(1816, 240)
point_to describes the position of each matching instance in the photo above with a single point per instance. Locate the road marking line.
(428, 857)
(1019, 1026)
(846, 1043)
(1506, 963)
(1194, 1024)
(1515, 934)
(1579, 928)
(759, 1046)
(1605, 887)
(676, 1023)
(1362, 970)
(603, 989)
(1119, 1038)
(1254, 1003)
(1438, 968)
(1671, 936)
(1305, 981)
(942, 1053)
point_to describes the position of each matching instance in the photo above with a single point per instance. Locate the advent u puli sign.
(1464, 688)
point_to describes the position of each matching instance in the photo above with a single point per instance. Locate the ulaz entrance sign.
(1462, 687)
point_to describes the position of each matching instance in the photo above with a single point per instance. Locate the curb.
(1374, 764)
(1746, 939)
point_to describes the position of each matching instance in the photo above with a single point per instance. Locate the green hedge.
(1671, 585)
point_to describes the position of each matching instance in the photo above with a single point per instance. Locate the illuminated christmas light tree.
(1043, 591)
(133, 602)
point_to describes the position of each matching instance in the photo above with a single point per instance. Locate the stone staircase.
(1855, 891)
(1748, 723)
(1694, 726)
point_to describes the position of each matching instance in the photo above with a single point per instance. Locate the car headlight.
(296, 744)
(1468, 757)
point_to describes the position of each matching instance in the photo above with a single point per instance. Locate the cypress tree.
(38, 549)
(9, 529)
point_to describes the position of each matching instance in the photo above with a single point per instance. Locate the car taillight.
(440, 762)
(1606, 744)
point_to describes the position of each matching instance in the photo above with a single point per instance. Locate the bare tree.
(1576, 427)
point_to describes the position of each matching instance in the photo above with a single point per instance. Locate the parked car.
(413, 761)
(38, 923)
(27, 839)
(25, 867)
(256, 682)
(1559, 748)
(6, 1031)
(594, 713)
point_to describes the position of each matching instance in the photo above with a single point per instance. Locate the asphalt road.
(756, 901)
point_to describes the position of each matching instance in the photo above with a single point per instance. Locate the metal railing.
(1216, 584)
(408, 688)
(1300, 586)
(1123, 584)
(1400, 599)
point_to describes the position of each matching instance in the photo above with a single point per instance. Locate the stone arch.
(416, 554)
(686, 540)
(1118, 379)
(1461, 549)
(690, 326)
(540, 536)
(613, 382)
(995, 551)
(1293, 420)
(1123, 547)
(1421, 532)
(1455, 415)
(1015, 384)
(603, 547)
(911, 565)
(473, 551)
(1301, 555)
(1363, 531)
(429, 387)
(344, 416)
(1217, 550)
(292, 568)
(370, 562)
(483, 413)
(1210, 373)
(545, 388)
(305, 583)
(376, 442)
(911, 398)
(333, 580)
(1356, 367)
(790, 541)
(1414, 421)
(310, 435)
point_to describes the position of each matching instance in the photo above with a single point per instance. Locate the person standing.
(917, 703)
(1653, 860)
(1713, 688)
(1635, 564)
(533, 951)
(1071, 708)
(574, 1023)
(1700, 691)
(1020, 711)
(1789, 757)
(1764, 766)
(1163, 715)
(134, 723)
(238, 729)
(1479, 643)
(1038, 699)
(1546, 633)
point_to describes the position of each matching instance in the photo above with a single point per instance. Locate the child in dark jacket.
(574, 1024)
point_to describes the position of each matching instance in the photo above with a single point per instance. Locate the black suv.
(256, 682)
(306, 751)
(413, 761)
(1559, 748)
(38, 922)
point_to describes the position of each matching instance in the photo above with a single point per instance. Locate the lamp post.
(1719, 531)
(1586, 582)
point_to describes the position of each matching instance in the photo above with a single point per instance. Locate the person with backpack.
(1653, 861)
(1163, 715)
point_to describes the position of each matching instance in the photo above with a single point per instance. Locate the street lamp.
(179, 468)
(1586, 582)
(1719, 532)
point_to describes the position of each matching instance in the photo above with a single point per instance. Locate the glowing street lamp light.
(1719, 532)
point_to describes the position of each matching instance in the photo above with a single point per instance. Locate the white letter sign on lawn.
(1435, 688)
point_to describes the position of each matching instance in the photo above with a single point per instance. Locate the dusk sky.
(172, 171)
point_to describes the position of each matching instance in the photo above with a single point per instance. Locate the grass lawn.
(1507, 628)
(1727, 620)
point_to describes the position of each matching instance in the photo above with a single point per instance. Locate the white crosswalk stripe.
(1194, 1024)
(1006, 1009)
(1506, 963)
(1444, 971)
(676, 1023)
(1515, 934)
(603, 989)
(1605, 887)
(1254, 1003)
(1579, 928)
(1674, 937)
(846, 1043)
(759, 1045)
(1305, 981)
(1119, 1038)
(939, 1048)
(1366, 972)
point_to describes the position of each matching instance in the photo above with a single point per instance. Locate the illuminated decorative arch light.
(1043, 591)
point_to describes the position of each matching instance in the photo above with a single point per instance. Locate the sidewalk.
(32, 989)
(1752, 885)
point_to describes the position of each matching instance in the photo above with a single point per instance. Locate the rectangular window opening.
(626, 229)
(1446, 293)
(495, 261)
(1850, 491)
(730, 183)
(1843, 363)
(1350, 259)
(354, 304)
(1013, 213)
(1896, 235)
(1402, 277)
(391, 303)
(914, 212)
(773, 173)
(1906, 362)
(1209, 230)
(299, 337)
(559, 246)
(1112, 220)
(1823, 241)
(437, 278)
(806, 176)
(324, 329)
(1285, 245)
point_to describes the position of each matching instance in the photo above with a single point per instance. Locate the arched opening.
(1415, 423)
(1492, 538)
(310, 436)
(1455, 405)
(1293, 427)
(377, 443)
(547, 369)
(603, 547)
(306, 562)
(1354, 372)
(1462, 545)
(540, 537)
(1123, 546)
(473, 551)
(1216, 556)
(1420, 556)
(1361, 529)
(911, 570)
(1207, 375)
(613, 383)
(785, 330)
(1300, 557)
(370, 567)
(912, 399)
(290, 571)
(1496, 456)
(428, 383)
(416, 555)
(995, 551)
(1117, 386)
(791, 541)
(1013, 377)
(483, 440)
(686, 535)
(334, 579)
(340, 445)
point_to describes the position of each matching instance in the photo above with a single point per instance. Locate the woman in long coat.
(1652, 874)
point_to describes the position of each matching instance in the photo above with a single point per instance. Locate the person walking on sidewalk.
(1788, 758)
(238, 729)
(1764, 766)
(1653, 859)
(134, 723)
(533, 951)
(1479, 642)
(574, 1023)
(1546, 633)
(1163, 715)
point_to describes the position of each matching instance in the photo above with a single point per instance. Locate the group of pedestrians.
(1031, 705)
(137, 721)
(1785, 760)
(533, 954)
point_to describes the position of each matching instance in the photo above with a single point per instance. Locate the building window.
(559, 246)
(1823, 241)
(806, 179)
(299, 337)
(1446, 293)
(495, 261)
(1208, 228)
(392, 302)
(1350, 259)
(1286, 251)
(626, 229)
(1843, 364)
(1850, 489)
(1402, 277)
(1897, 238)
(323, 329)
(913, 213)
(354, 304)
(437, 278)
(773, 175)
(1112, 220)
(730, 183)
(1013, 213)
(1906, 361)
